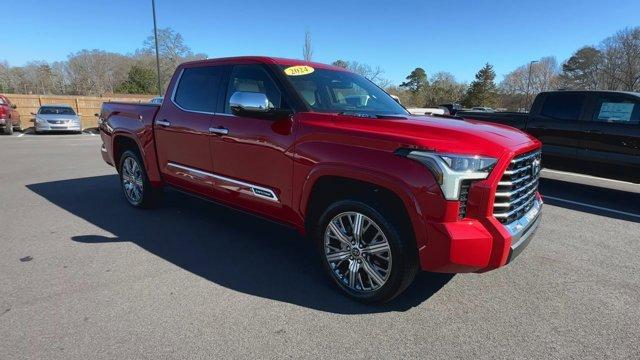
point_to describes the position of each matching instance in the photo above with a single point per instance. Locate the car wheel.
(135, 184)
(364, 252)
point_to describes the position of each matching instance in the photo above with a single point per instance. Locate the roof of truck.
(263, 59)
(591, 91)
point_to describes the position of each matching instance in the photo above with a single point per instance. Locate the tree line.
(98, 72)
(614, 64)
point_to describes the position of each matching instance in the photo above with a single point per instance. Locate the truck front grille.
(517, 188)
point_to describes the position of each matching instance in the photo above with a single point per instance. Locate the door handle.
(219, 130)
(163, 122)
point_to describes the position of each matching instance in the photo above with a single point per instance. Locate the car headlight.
(451, 169)
(41, 121)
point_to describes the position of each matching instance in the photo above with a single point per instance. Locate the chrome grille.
(517, 188)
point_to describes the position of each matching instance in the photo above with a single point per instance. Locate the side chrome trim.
(255, 190)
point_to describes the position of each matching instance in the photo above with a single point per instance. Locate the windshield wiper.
(383, 116)
(356, 114)
(372, 116)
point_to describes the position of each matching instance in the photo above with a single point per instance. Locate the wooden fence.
(86, 106)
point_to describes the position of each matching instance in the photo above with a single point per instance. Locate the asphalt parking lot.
(85, 276)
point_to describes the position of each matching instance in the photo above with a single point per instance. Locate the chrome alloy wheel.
(132, 182)
(357, 251)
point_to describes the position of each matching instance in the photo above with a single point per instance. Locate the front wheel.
(367, 255)
(134, 181)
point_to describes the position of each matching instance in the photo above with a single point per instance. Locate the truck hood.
(443, 134)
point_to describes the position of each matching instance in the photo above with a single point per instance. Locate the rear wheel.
(134, 181)
(364, 252)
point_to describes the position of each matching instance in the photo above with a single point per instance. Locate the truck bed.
(133, 121)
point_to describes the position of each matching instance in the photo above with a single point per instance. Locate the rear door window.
(563, 106)
(198, 89)
(617, 109)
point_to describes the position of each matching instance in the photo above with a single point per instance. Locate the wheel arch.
(328, 183)
(123, 141)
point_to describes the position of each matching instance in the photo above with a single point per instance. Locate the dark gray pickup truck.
(595, 132)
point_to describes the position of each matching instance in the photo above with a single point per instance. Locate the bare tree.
(622, 58)
(95, 72)
(528, 80)
(307, 49)
(443, 88)
(4, 77)
(371, 73)
(172, 52)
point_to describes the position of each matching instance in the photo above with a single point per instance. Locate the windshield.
(342, 92)
(56, 110)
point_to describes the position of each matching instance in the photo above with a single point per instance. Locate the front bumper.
(44, 127)
(477, 245)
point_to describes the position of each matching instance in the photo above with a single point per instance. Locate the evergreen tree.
(583, 69)
(416, 81)
(341, 63)
(483, 90)
(140, 80)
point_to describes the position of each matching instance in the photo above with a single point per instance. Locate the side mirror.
(249, 102)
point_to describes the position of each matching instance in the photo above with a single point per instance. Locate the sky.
(455, 36)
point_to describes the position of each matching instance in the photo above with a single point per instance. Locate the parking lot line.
(585, 176)
(637, 216)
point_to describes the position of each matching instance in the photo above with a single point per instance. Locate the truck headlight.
(451, 169)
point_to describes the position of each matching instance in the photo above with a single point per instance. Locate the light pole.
(155, 36)
(529, 82)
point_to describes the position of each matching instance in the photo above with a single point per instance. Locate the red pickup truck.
(382, 193)
(9, 116)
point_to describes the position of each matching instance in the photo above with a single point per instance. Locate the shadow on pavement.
(227, 247)
(618, 200)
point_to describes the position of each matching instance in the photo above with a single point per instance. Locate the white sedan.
(50, 118)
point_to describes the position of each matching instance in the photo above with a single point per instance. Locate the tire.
(370, 283)
(135, 183)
